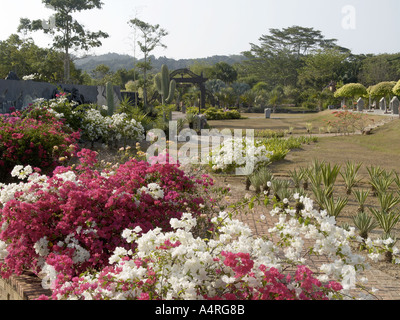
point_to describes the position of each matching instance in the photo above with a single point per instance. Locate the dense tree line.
(117, 61)
(67, 33)
(304, 68)
(23, 57)
(293, 66)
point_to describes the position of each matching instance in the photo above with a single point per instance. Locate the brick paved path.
(388, 286)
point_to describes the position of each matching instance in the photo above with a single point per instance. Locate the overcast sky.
(199, 29)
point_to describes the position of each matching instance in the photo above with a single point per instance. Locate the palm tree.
(276, 98)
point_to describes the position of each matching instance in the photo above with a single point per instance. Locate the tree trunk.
(66, 57)
(145, 83)
(67, 70)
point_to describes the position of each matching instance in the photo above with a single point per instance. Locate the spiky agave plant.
(280, 188)
(382, 182)
(319, 196)
(350, 175)
(361, 197)
(396, 179)
(388, 201)
(335, 207)
(387, 221)
(285, 193)
(305, 179)
(374, 173)
(256, 182)
(365, 224)
(260, 179)
(266, 176)
(296, 176)
(329, 175)
(314, 174)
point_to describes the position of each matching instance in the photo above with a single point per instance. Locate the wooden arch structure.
(193, 79)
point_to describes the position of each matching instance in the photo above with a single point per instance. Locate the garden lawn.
(382, 148)
(282, 122)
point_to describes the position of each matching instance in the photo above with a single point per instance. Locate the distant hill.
(122, 61)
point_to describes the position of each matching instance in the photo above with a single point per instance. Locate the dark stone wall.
(19, 94)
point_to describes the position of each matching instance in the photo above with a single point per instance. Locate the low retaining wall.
(19, 93)
(24, 287)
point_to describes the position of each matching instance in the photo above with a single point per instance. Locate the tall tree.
(322, 67)
(279, 56)
(295, 40)
(380, 68)
(25, 58)
(225, 72)
(18, 56)
(151, 36)
(67, 33)
(101, 74)
(201, 67)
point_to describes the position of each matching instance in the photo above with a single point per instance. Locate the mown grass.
(282, 122)
(385, 140)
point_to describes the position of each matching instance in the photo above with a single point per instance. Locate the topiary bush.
(219, 114)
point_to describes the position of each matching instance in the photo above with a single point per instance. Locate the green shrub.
(281, 146)
(219, 114)
(194, 110)
(268, 133)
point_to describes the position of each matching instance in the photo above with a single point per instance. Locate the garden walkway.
(388, 286)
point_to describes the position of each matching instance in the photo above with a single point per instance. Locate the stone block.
(395, 103)
(382, 104)
(360, 105)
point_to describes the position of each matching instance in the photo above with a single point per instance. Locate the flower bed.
(92, 121)
(73, 221)
(238, 153)
(38, 142)
(229, 265)
(140, 230)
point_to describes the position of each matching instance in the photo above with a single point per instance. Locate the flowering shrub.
(93, 124)
(112, 129)
(348, 121)
(230, 265)
(72, 222)
(383, 248)
(237, 153)
(38, 142)
(60, 108)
